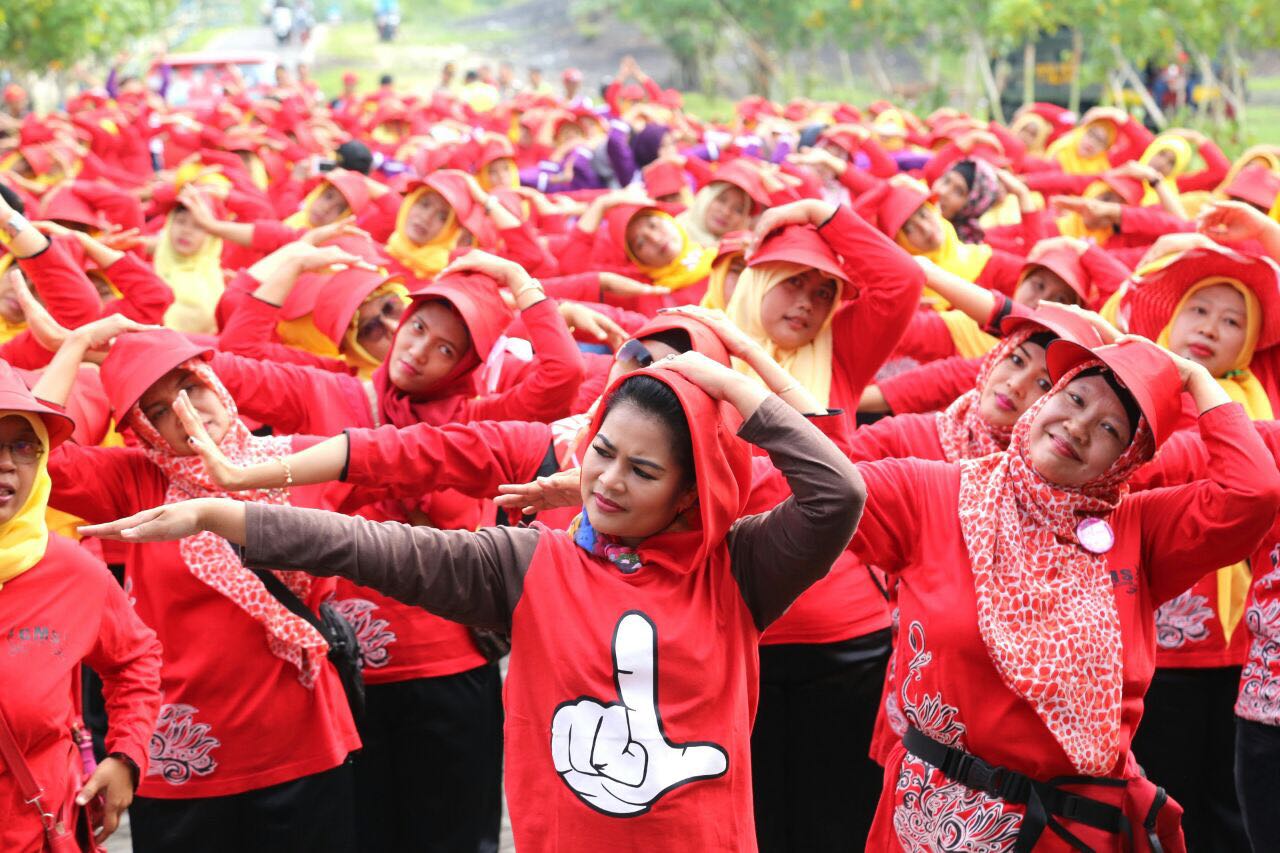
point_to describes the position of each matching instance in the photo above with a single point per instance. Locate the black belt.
(1044, 800)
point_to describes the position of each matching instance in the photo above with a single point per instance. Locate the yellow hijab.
(25, 537)
(8, 331)
(486, 184)
(1066, 151)
(694, 219)
(196, 280)
(1244, 388)
(691, 265)
(1072, 224)
(966, 260)
(811, 363)
(427, 259)
(301, 218)
(302, 333)
(714, 297)
(1182, 155)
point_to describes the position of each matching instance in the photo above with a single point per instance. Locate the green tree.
(43, 35)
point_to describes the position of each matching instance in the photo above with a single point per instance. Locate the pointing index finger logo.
(615, 756)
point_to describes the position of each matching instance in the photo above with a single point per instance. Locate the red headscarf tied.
(722, 466)
(1046, 610)
(133, 365)
(477, 299)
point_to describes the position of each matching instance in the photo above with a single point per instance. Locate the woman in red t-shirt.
(250, 748)
(59, 608)
(633, 676)
(1027, 584)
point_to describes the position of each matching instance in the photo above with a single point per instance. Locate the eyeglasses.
(634, 350)
(375, 328)
(23, 452)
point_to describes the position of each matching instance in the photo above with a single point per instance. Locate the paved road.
(261, 38)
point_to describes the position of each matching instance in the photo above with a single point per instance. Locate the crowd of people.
(830, 478)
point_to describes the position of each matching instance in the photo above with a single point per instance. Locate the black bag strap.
(1044, 800)
(289, 599)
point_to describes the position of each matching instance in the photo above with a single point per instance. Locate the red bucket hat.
(1255, 184)
(1064, 262)
(1142, 367)
(889, 206)
(352, 186)
(138, 360)
(733, 243)
(16, 397)
(746, 178)
(63, 203)
(1149, 300)
(663, 178)
(452, 185)
(1065, 324)
(1129, 189)
(800, 244)
(340, 298)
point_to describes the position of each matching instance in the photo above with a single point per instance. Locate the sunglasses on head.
(634, 350)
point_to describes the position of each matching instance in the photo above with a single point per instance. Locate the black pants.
(429, 779)
(314, 814)
(1186, 744)
(1258, 782)
(815, 786)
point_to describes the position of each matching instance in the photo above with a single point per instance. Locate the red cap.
(662, 177)
(350, 78)
(63, 203)
(340, 298)
(1143, 368)
(1064, 262)
(800, 244)
(1255, 184)
(572, 75)
(14, 94)
(352, 186)
(1149, 300)
(1129, 189)
(138, 360)
(16, 397)
(733, 243)
(889, 206)
(745, 177)
(453, 186)
(1060, 321)
(477, 298)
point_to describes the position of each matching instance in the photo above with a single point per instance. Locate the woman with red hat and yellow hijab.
(1040, 584)
(26, 253)
(639, 236)
(332, 307)
(1105, 137)
(635, 632)
(1221, 310)
(730, 202)
(250, 748)
(189, 259)
(446, 212)
(826, 296)
(59, 609)
(903, 210)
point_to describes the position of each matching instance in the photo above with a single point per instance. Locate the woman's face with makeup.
(632, 485)
(1080, 433)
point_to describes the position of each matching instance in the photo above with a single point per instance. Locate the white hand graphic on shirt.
(615, 757)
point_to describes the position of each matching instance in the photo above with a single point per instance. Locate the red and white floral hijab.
(1046, 610)
(210, 557)
(962, 430)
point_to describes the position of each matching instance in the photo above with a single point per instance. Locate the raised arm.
(470, 577)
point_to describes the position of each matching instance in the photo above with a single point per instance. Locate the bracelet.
(794, 386)
(288, 472)
(12, 227)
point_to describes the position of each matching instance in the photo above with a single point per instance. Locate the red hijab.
(476, 298)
